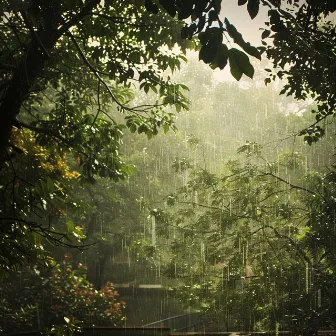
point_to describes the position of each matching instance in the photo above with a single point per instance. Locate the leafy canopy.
(68, 72)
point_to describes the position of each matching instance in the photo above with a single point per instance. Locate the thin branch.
(13, 183)
(98, 101)
(97, 75)
(95, 72)
(293, 186)
(126, 21)
(34, 34)
(50, 234)
(271, 194)
(214, 208)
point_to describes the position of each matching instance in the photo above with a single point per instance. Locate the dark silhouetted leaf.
(207, 53)
(201, 23)
(238, 38)
(151, 6)
(191, 30)
(213, 16)
(253, 51)
(221, 57)
(185, 32)
(253, 8)
(218, 6)
(266, 33)
(200, 6)
(169, 6)
(186, 10)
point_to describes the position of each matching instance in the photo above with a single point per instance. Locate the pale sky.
(250, 29)
(240, 18)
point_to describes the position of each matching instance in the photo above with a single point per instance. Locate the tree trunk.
(18, 89)
(30, 68)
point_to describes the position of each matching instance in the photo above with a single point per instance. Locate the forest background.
(253, 230)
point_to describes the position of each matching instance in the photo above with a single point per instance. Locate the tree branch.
(87, 9)
(293, 186)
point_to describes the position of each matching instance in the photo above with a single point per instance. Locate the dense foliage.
(243, 237)
(38, 300)
(303, 52)
(67, 69)
(253, 247)
(259, 233)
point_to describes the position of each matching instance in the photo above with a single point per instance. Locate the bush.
(31, 301)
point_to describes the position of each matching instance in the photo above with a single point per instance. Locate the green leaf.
(253, 8)
(240, 64)
(37, 238)
(128, 169)
(70, 225)
(165, 128)
(184, 87)
(78, 233)
(149, 134)
(142, 129)
(154, 89)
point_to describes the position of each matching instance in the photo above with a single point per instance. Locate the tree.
(67, 69)
(251, 238)
(303, 52)
(191, 245)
